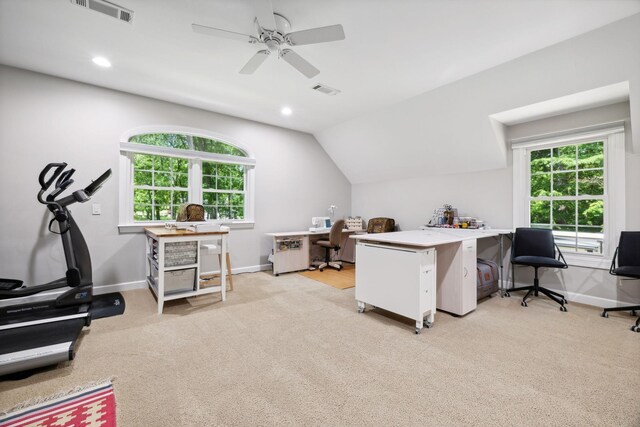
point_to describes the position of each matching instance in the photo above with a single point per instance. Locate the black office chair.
(335, 237)
(535, 247)
(628, 255)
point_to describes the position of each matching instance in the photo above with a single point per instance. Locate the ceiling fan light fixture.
(101, 61)
(286, 111)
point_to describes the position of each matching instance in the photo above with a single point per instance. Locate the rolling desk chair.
(535, 247)
(335, 237)
(628, 255)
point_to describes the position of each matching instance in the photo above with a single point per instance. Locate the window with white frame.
(574, 185)
(162, 169)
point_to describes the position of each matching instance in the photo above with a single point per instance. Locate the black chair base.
(535, 289)
(632, 309)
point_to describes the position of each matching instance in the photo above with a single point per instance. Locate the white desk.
(291, 250)
(455, 263)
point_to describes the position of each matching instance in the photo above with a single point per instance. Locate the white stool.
(214, 249)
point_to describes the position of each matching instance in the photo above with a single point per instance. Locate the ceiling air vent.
(323, 88)
(106, 8)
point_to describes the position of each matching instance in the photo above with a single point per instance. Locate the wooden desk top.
(173, 232)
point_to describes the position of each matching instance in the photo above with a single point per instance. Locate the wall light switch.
(95, 209)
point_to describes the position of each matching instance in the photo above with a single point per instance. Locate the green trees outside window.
(161, 183)
(567, 194)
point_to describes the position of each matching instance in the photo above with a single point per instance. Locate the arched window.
(163, 168)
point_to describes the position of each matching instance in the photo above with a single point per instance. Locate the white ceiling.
(393, 50)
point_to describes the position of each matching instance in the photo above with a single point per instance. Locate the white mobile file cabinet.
(401, 280)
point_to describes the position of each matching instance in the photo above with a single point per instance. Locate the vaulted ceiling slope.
(394, 50)
(449, 129)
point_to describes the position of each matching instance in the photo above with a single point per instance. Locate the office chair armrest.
(613, 262)
(560, 256)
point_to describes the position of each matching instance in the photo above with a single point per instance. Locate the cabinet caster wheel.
(427, 324)
(418, 331)
(604, 314)
(524, 304)
(507, 294)
(563, 308)
(360, 309)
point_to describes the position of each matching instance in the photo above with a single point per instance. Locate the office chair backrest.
(335, 235)
(533, 242)
(629, 249)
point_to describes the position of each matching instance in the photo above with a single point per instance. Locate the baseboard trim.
(585, 299)
(119, 287)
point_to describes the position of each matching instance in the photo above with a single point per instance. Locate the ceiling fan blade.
(264, 13)
(316, 35)
(217, 32)
(255, 61)
(299, 63)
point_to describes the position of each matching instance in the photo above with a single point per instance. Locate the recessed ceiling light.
(286, 111)
(101, 61)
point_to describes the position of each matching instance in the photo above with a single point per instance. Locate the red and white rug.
(92, 406)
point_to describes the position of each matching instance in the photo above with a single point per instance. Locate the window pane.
(540, 161)
(541, 185)
(237, 184)
(564, 158)
(142, 196)
(209, 168)
(591, 155)
(142, 178)
(209, 182)
(213, 146)
(211, 212)
(224, 212)
(162, 180)
(164, 212)
(237, 213)
(180, 197)
(162, 163)
(223, 199)
(143, 162)
(225, 170)
(209, 198)
(142, 212)
(181, 165)
(162, 197)
(237, 199)
(540, 212)
(224, 183)
(591, 182)
(181, 180)
(564, 184)
(591, 212)
(564, 212)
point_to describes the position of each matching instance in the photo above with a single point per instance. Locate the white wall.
(488, 196)
(46, 119)
(448, 130)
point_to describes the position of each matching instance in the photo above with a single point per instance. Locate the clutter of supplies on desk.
(447, 217)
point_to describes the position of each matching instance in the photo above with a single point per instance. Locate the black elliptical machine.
(39, 329)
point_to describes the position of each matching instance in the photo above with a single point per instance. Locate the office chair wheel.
(635, 328)
(604, 314)
(564, 301)
(524, 304)
(563, 308)
(633, 313)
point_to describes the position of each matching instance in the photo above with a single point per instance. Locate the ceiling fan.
(272, 30)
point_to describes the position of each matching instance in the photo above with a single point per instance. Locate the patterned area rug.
(89, 406)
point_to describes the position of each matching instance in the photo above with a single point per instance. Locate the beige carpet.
(288, 350)
(343, 279)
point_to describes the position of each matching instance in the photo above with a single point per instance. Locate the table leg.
(223, 268)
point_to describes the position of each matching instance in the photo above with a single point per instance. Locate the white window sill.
(588, 261)
(138, 227)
